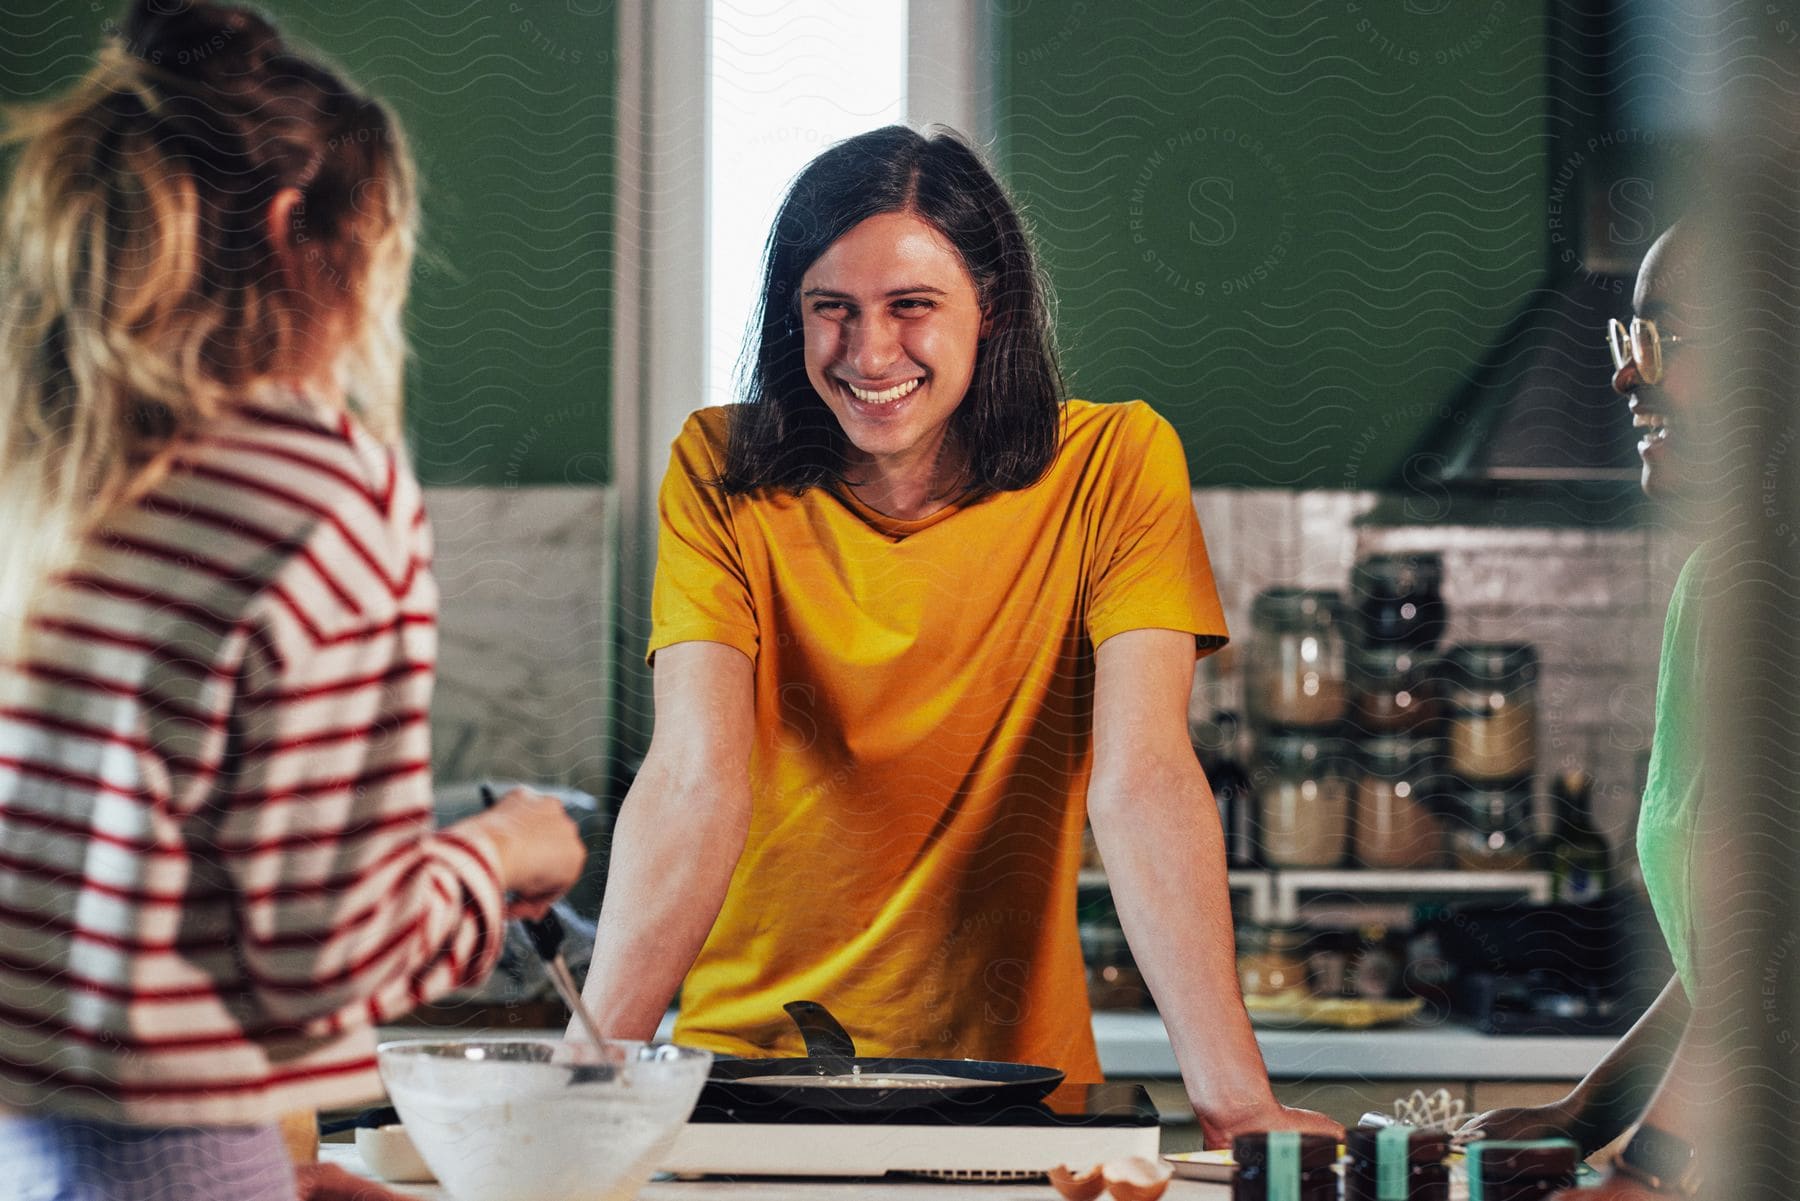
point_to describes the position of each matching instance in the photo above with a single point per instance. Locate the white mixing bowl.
(532, 1119)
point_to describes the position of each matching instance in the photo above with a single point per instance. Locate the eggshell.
(1136, 1179)
(1077, 1186)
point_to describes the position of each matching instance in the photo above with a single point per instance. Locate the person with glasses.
(1648, 1078)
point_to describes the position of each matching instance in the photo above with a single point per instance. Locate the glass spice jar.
(1398, 599)
(1302, 795)
(1284, 1165)
(1393, 690)
(1395, 826)
(1269, 960)
(1295, 672)
(1490, 827)
(1520, 1171)
(1493, 710)
(1113, 978)
(1396, 1163)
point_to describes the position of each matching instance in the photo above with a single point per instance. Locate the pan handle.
(826, 1040)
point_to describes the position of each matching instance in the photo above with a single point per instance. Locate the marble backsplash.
(528, 578)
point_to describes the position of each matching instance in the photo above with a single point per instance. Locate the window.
(726, 102)
(789, 78)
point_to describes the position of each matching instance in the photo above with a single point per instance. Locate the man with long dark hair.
(915, 615)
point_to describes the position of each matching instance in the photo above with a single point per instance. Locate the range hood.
(1540, 408)
(1538, 417)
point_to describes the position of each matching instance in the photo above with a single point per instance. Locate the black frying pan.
(787, 1085)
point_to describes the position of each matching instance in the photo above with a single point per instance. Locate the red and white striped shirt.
(217, 863)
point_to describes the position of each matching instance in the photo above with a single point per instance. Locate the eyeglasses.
(1640, 344)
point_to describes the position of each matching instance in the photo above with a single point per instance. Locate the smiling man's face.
(892, 325)
(1662, 412)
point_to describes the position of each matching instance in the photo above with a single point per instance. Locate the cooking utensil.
(546, 934)
(832, 1079)
(368, 1119)
(827, 1042)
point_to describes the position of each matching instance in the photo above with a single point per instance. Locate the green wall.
(510, 105)
(1291, 225)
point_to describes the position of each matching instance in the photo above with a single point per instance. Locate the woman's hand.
(1556, 1120)
(1273, 1116)
(539, 848)
(329, 1182)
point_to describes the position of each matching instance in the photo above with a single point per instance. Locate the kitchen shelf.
(1284, 897)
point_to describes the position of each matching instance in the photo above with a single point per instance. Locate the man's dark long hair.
(784, 436)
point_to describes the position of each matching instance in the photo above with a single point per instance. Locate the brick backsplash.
(1592, 601)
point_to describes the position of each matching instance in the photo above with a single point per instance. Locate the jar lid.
(1480, 797)
(1398, 574)
(1316, 1151)
(1383, 661)
(1397, 754)
(1482, 663)
(1502, 1162)
(1422, 1146)
(1296, 608)
(1297, 750)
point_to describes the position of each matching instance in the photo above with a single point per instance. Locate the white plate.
(1215, 1166)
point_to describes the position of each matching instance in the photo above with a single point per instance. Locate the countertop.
(808, 1190)
(1137, 1044)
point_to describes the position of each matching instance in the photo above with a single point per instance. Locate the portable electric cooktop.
(1075, 1124)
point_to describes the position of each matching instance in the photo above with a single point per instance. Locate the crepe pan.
(767, 1087)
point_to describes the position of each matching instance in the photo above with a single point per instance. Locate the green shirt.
(1667, 840)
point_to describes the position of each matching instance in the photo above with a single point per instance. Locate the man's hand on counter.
(1522, 1122)
(1219, 1131)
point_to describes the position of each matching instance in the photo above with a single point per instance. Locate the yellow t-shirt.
(924, 712)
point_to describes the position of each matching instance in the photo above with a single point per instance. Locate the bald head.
(1668, 283)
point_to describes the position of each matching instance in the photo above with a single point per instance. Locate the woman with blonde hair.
(217, 625)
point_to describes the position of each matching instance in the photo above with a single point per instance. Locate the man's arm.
(1693, 1080)
(1157, 826)
(681, 829)
(1612, 1096)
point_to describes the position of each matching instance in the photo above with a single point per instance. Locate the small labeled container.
(1520, 1171)
(1374, 968)
(1396, 1163)
(1398, 600)
(1295, 674)
(1490, 827)
(1395, 827)
(1393, 690)
(1302, 790)
(1492, 710)
(1284, 1165)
